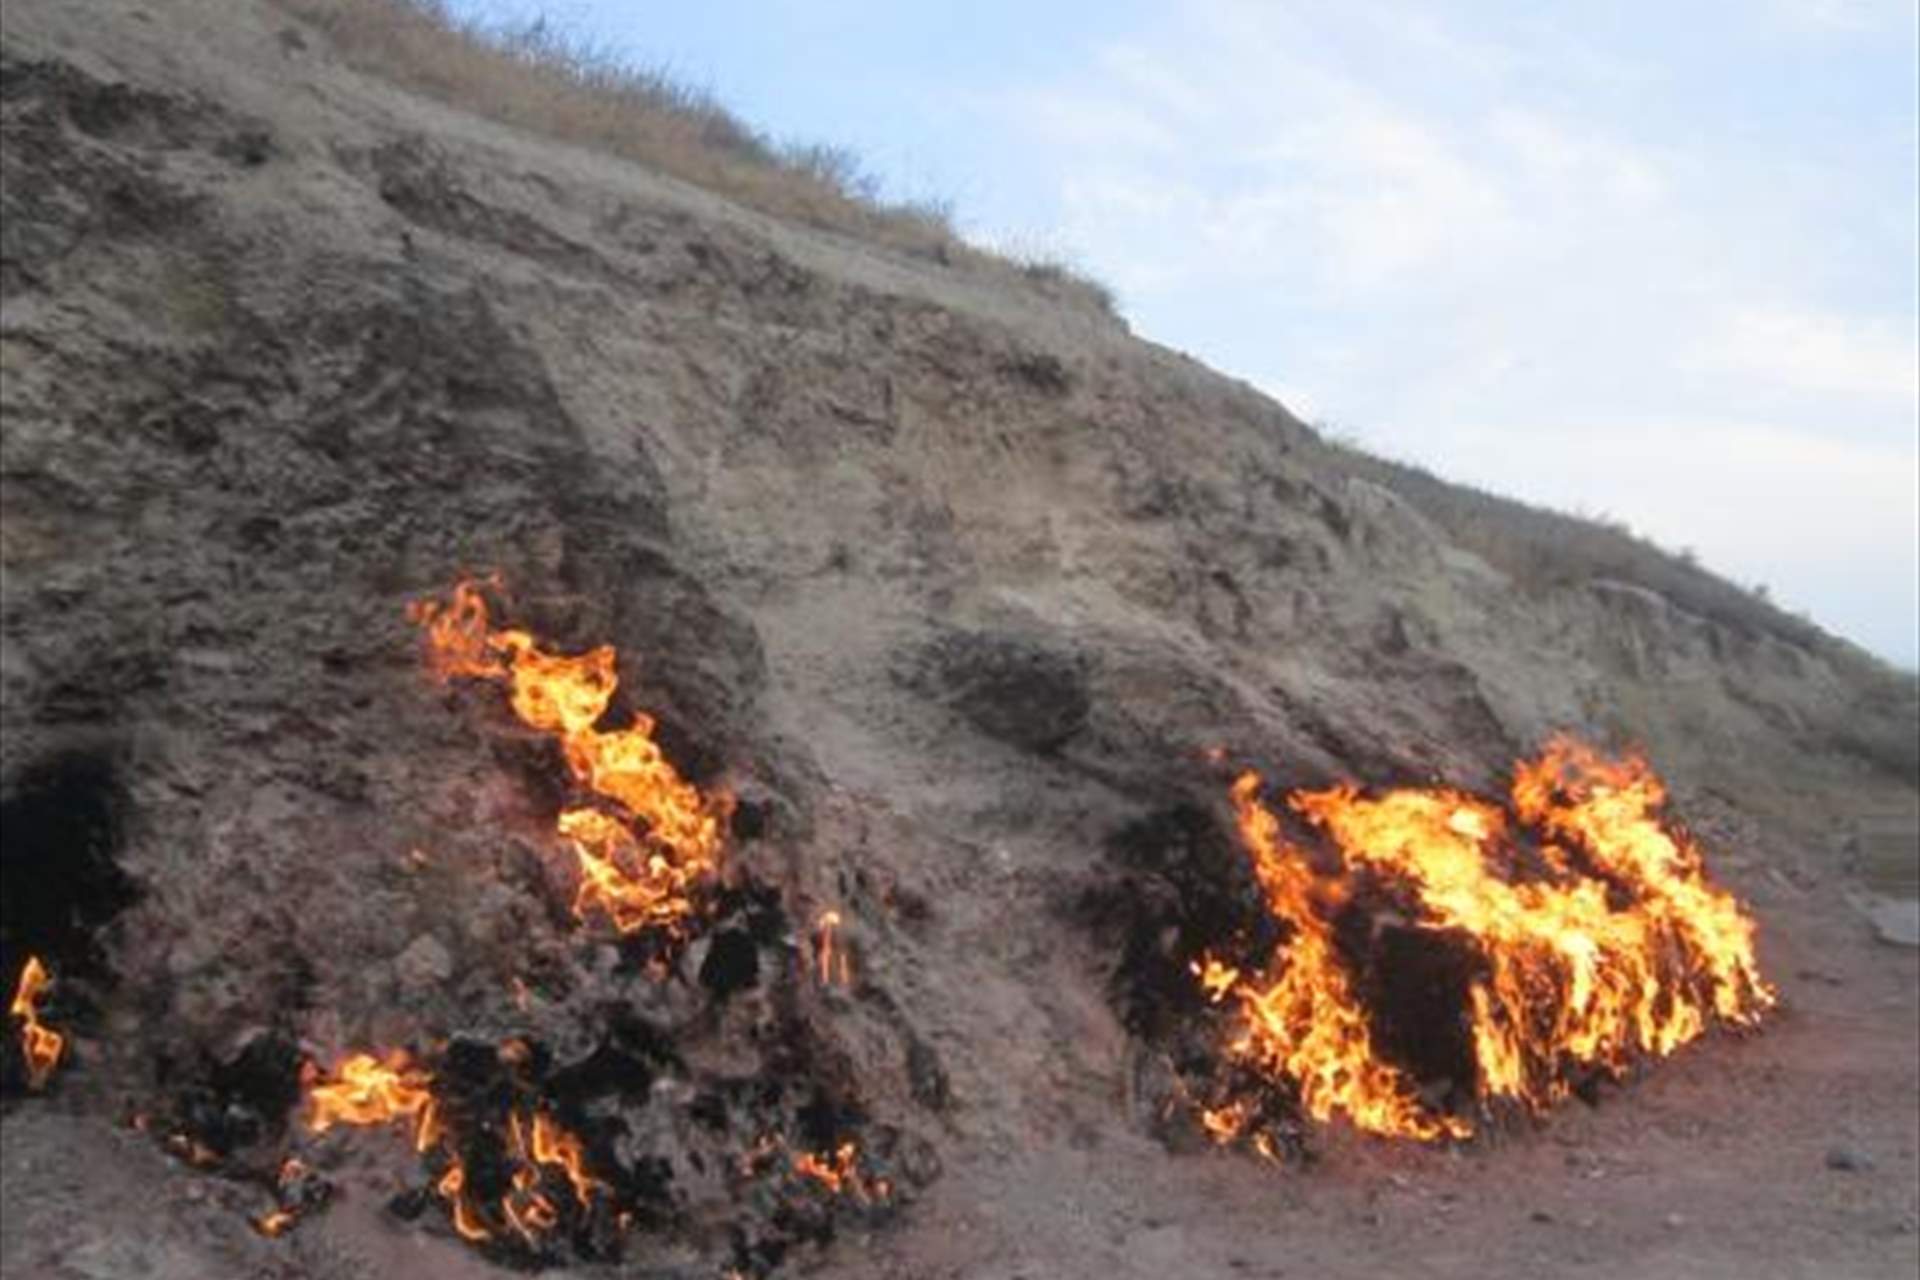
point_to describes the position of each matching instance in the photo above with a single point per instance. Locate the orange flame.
(40, 1045)
(366, 1090)
(641, 857)
(552, 1145)
(833, 964)
(1305, 1022)
(275, 1222)
(282, 1218)
(1217, 978)
(452, 1188)
(841, 1173)
(1623, 949)
(192, 1150)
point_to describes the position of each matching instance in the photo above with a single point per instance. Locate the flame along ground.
(649, 838)
(644, 844)
(548, 1161)
(1610, 945)
(40, 1045)
(368, 1090)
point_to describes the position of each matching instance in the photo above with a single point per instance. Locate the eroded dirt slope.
(950, 581)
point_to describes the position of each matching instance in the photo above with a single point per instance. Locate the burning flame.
(40, 1045)
(833, 965)
(840, 1173)
(282, 1218)
(650, 837)
(368, 1090)
(552, 1145)
(275, 1222)
(1621, 949)
(452, 1188)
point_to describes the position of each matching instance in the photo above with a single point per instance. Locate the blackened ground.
(60, 833)
(1181, 891)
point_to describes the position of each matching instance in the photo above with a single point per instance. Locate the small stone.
(926, 1076)
(1896, 921)
(1540, 1215)
(1676, 1220)
(425, 963)
(1848, 1160)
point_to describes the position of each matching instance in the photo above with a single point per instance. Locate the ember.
(648, 838)
(296, 1191)
(841, 1172)
(1597, 943)
(40, 1045)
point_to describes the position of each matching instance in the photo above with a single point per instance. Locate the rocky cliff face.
(950, 582)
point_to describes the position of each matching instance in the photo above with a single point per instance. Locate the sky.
(1650, 261)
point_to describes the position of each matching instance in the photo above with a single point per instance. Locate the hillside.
(956, 586)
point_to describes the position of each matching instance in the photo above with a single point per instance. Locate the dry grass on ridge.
(540, 80)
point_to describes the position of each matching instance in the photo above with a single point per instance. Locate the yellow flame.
(40, 1045)
(1634, 955)
(832, 964)
(365, 1090)
(654, 836)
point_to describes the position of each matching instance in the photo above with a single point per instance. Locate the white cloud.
(1809, 350)
(1452, 245)
(1110, 123)
(1559, 162)
(1844, 15)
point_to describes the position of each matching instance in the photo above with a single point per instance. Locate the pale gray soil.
(955, 579)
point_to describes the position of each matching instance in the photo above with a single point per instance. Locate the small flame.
(40, 1045)
(638, 870)
(285, 1214)
(544, 1142)
(275, 1222)
(192, 1150)
(840, 1173)
(452, 1188)
(365, 1090)
(1624, 948)
(1216, 978)
(833, 965)
(1225, 1123)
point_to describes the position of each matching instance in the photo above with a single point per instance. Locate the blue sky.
(1653, 261)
